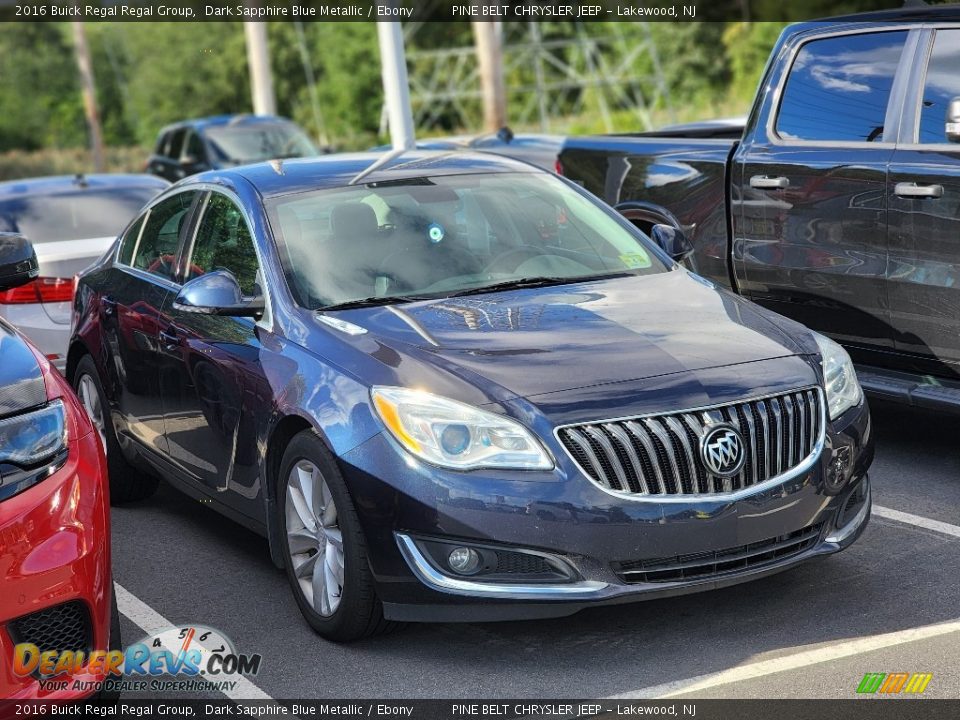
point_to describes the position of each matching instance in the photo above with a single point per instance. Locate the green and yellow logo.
(894, 683)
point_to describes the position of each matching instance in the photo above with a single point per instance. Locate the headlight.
(454, 435)
(29, 443)
(839, 378)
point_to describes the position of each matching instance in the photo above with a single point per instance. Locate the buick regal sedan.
(456, 387)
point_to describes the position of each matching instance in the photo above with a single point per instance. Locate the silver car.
(71, 221)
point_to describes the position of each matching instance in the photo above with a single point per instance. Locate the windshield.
(441, 236)
(256, 142)
(74, 215)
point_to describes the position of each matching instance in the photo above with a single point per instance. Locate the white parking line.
(149, 620)
(926, 523)
(795, 661)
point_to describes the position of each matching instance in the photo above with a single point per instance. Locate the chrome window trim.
(146, 216)
(774, 138)
(721, 497)
(426, 573)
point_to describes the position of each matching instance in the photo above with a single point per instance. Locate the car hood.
(21, 382)
(541, 340)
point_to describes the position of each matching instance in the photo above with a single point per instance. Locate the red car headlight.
(32, 446)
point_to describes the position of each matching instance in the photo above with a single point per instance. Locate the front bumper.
(54, 551)
(402, 502)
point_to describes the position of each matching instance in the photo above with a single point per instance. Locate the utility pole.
(396, 87)
(488, 38)
(85, 65)
(258, 60)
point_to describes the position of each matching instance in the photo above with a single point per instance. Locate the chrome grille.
(660, 455)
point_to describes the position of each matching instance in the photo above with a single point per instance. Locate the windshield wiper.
(532, 282)
(374, 302)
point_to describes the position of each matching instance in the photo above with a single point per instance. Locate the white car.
(71, 221)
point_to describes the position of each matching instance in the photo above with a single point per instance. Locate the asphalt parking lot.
(891, 603)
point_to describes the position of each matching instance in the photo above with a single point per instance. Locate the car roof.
(284, 177)
(216, 120)
(56, 184)
(909, 13)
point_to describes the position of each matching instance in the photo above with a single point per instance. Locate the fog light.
(465, 561)
(838, 471)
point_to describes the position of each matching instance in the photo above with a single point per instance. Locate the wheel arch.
(281, 433)
(646, 214)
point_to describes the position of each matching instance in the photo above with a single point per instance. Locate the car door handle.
(765, 182)
(169, 339)
(912, 190)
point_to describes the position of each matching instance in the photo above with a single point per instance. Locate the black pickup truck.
(840, 204)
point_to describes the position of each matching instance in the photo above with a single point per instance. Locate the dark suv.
(213, 143)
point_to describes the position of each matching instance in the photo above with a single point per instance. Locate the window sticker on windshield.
(635, 260)
(435, 232)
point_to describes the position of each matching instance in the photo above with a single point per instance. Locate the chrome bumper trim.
(432, 578)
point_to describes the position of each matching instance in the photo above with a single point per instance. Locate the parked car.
(225, 141)
(457, 387)
(71, 221)
(840, 205)
(55, 581)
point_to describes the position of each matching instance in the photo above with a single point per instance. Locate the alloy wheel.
(314, 538)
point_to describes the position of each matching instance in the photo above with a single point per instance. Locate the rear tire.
(324, 550)
(127, 483)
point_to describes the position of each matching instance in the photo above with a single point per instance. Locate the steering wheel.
(523, 253)
(388, 267)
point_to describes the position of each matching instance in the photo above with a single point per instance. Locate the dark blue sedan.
(456, 387)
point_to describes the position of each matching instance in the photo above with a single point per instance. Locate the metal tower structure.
(607, 69)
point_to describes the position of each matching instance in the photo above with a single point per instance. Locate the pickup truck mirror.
(953, 120)
(217, 293)
(672, 241)
(18, 261)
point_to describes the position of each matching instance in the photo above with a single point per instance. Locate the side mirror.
(217, 293)
(672, 241)
(953, 120)
(18, 261)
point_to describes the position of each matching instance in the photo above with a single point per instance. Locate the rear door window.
(156, 251)
(839, 87)
(941, 86)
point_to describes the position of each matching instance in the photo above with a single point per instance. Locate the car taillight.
(41, 290)
(558, 167)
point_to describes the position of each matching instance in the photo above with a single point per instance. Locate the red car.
(56, 590)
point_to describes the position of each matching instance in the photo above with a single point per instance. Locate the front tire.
(127, 483)
(325, 552)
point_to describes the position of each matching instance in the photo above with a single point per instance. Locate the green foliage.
(151, 74)
(748, 46)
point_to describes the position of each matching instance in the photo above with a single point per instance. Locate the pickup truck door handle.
(765, 182)
(912, 190)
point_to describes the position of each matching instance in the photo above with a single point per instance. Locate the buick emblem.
(721, 450)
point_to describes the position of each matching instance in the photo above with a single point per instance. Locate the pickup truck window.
(839, 87)
(942, 85)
